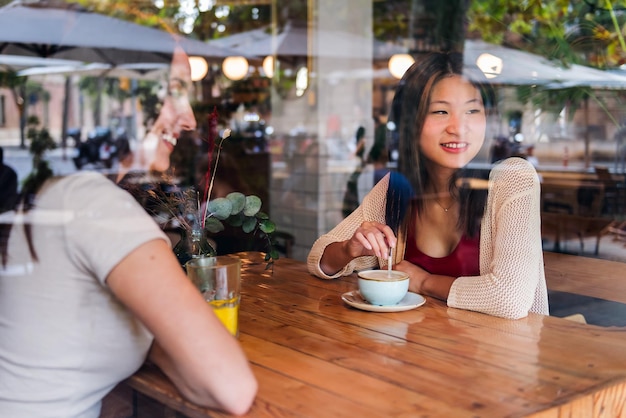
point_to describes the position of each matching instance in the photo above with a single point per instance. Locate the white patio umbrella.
(55, 29)
(144, 71)
(17, 62)
(59, 30)
(507, 66)
(293, 41)
(504, 66)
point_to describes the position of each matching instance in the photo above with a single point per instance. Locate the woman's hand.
(424, 283)
(417, 275)
(371, 238)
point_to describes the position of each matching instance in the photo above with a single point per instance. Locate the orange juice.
(228, 312)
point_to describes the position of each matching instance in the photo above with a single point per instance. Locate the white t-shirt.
(65, 340)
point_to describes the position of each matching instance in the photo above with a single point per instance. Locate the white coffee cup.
(383, 287)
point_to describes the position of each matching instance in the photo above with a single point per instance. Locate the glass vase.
(193, 244)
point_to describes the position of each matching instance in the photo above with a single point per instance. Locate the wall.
(309, 175)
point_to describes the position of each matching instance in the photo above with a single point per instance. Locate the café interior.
(304, 77)
(296, 80)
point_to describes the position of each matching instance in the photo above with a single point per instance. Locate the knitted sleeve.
(512, 280)
(371, 209)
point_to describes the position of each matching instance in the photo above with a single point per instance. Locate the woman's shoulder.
(82, 187)
(79, 178)
(514, 172)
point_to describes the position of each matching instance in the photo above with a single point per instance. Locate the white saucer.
(410, 301)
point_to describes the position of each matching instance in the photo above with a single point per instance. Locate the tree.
(587, 32)
(429, 24)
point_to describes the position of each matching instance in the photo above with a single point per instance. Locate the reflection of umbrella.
(71, 33)
(16, 62)
(293, 41)
(506, 66)
(67, 31)
(592, 79)
(520, 67)
(146, 71)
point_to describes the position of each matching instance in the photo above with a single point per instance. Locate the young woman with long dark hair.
(476, 249)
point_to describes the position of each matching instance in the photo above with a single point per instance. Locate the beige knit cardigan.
(512, 280)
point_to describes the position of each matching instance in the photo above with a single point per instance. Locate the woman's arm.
(356, 241)
(191, 346)
(511, 251)
(425, 283)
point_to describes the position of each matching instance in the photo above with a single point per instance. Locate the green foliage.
(435, 24)
(10, 79)
(235, 210)
(553, 101)
(252, 206)
(220, 208)
(569, 32)
(241, 211)
(40, 142)
(587, 32)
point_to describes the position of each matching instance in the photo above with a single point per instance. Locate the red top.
(462, 261)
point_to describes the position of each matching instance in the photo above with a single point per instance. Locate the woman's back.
(65, 340)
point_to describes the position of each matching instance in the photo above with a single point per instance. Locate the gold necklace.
(445, 209)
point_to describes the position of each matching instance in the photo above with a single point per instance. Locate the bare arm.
(191, 346)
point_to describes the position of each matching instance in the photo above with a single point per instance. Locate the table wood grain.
(586, 276)
(314, 356)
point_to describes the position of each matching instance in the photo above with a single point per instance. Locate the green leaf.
(253, 205)
(274, 254)
(267, 226)
(236, 220)
(262, 215)
(248, 225)
(238, 200)
(213, 225)
(220, 208)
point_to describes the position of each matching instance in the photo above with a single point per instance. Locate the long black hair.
(408, 112)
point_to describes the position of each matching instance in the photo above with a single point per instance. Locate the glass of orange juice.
(219, 280)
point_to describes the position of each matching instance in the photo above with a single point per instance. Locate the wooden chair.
(618, 231)
(562, 226)
(610, 202)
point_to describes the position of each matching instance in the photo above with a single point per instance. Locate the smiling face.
(175, 116)
(454, 128)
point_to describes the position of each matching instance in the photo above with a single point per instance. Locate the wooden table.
(316, 357)
(586, 276)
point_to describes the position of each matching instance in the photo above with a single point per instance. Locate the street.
(21, 161)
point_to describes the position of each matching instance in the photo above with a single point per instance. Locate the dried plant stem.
(217, 160)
